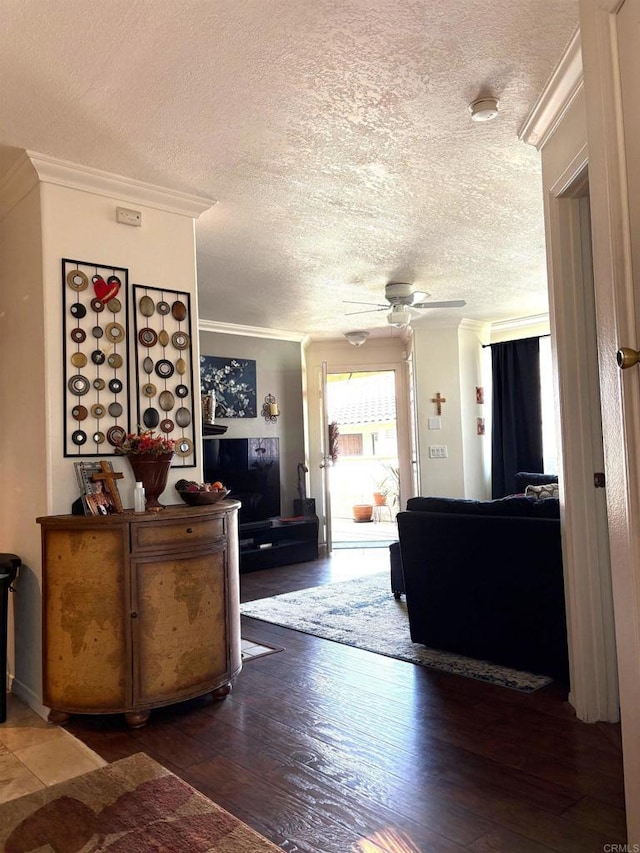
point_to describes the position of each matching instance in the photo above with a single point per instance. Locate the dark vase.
(152, 472)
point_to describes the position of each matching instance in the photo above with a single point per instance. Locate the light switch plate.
(434, 423)
(438, 451)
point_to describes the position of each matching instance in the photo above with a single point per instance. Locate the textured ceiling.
(335, 135)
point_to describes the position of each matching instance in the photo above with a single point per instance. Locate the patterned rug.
(131, 806)
(364, 613)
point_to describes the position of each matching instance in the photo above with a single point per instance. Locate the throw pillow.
(539, 493)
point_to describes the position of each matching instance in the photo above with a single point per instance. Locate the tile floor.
(34, 754)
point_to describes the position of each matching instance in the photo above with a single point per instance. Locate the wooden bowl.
(202, 498)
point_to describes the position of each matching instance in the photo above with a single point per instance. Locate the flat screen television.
(250, 469)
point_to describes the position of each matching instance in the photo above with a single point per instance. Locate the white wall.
(23, 392)
(278, 372)
(437, 367)
(43, 223)
(476, 453)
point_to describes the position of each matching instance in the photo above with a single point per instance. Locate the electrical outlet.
(125, 216)
(438, 451)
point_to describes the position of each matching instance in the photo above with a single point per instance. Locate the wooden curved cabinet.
(139, 610)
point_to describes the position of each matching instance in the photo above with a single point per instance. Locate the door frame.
(616, 306)
(342, 364)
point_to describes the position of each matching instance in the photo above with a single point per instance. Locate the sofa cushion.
(516, 506)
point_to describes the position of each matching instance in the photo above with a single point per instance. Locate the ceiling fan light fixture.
(399, 316)
(357, 337)
(483, 109)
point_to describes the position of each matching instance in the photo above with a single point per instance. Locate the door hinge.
(598, 480)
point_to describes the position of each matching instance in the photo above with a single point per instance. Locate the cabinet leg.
(221, 692)
(58, 718)
(137, 719)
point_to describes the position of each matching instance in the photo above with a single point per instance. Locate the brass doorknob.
(627, 357)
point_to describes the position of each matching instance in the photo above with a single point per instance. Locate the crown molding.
(50, 170)
(518, 323)
(556, 97)
(250, 331)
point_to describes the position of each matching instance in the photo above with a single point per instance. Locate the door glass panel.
(364, 478)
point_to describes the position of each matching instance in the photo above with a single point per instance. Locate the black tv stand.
(271, 543)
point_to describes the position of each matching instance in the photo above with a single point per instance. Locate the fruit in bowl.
(198, 494)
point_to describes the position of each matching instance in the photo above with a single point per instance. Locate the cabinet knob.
(134, 615)
(189, 529)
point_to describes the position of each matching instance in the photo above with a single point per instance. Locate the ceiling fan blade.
(453, 303)
(366, 311)
(358, 302)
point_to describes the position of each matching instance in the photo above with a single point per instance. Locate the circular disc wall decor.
(79, 385)
(79, 413)
(77, 280)
(114, 305)
(98, 437)
(151, 418)
(164, 368)
(147, 337)
(147, 306)
(78, 310)
(166, 425)
(116, 435)
(79, 359)
(99, 384)
(114, 332)
(184, 447)
(78, 335)
(163, 307)
(79, 437)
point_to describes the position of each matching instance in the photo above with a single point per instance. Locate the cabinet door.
(180, 636)
(86, 620)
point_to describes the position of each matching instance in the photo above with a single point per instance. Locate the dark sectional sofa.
(484, 579)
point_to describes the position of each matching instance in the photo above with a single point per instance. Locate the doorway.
(364, 478)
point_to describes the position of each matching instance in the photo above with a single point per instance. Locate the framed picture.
(96, 500)
(480, 426)
(479, 395)
(233, 381)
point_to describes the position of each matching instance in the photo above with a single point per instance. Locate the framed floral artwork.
(233, 382)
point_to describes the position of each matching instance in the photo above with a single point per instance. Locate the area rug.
(131, 806)
(364, 613)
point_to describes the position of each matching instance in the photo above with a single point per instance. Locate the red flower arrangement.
(146, 444)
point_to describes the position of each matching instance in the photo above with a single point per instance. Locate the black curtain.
(516, 443)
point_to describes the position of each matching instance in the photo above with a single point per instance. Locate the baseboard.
(27, 695)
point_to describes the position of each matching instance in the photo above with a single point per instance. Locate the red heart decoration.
(106, 290)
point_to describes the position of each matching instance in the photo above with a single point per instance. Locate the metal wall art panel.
(94, 355)
(164, 368)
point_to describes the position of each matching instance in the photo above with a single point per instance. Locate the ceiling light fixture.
(357, 337)
(399, 316)
(484, 109)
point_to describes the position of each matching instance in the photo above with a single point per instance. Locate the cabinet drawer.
(176, 535)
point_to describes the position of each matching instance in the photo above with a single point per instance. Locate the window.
(350, 444)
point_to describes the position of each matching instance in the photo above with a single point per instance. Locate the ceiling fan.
(404, 301)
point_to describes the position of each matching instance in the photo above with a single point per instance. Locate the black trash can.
(9, 565)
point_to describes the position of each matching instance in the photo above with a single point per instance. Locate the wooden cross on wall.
(108, 478)
(438, 400)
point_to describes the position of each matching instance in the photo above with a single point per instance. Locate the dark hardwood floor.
(322, 747)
